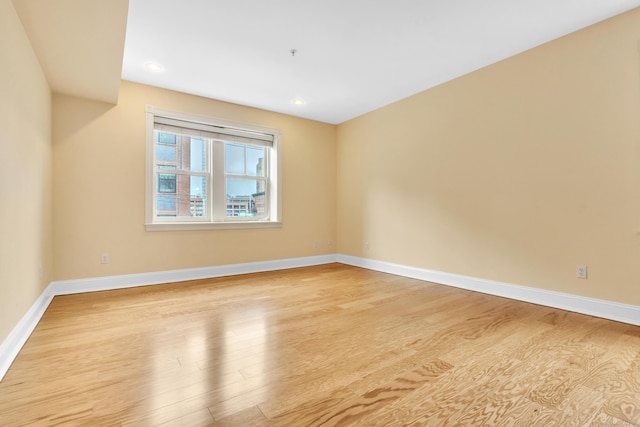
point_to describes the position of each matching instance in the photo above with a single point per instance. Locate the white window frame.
(216, 195)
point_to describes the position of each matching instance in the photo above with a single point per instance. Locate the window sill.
(186, 226)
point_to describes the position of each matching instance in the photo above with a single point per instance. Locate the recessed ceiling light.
(154, 66)
(298, 102)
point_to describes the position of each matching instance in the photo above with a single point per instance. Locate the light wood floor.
(326, 345)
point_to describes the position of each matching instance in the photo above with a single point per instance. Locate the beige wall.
(99, 191)
(517, 172)
(25, 173)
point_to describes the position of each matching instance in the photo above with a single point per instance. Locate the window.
(210, 173)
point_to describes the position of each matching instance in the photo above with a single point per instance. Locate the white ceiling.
(353, 56)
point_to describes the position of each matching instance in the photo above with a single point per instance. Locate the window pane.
(234, 158)
(255, 161)
(245, 197)
(198, 155)
(198, 201)
(166, 205)
(191, 192)
(166, 183)
(189, 198)
(165, 153)
(167, 138)
(185, 153)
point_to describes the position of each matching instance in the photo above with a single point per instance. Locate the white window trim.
(275, 175)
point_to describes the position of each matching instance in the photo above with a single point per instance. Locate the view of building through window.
(244, 179)
(182, 171)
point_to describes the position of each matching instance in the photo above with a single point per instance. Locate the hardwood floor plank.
(555, 385)
(250, 416)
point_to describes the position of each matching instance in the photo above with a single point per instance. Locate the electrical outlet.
(329, 242)
(104, 259)
(581, 271)
(315, 243)
(366, 245)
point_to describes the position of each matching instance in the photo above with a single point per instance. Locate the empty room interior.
(319, 213)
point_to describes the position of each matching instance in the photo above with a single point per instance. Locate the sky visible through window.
(242, 159)
(198, 163)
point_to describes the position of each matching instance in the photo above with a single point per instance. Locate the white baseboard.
(593, 307)
(155, 278)
(12, 345)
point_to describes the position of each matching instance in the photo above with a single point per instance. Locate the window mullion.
(233, 175)
(182, 172)
(219, 199)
